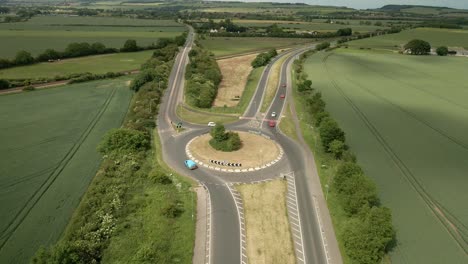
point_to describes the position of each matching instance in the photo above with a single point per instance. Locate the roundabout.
(257, 152)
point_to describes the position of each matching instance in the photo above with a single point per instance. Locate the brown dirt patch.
(269, 238)
(235, 73)
(256, 151)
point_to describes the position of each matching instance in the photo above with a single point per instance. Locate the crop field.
(56, 32)
(309, 26)
(95, 64)
(222, 46)
(436, 37)
(405, 118)
(48, 150)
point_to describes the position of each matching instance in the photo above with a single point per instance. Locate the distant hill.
(402, 7)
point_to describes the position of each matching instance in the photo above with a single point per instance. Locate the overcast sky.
(363, 4)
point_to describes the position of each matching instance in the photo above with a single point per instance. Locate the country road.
(227, 245)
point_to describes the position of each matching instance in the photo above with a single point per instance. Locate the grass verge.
(203, 118)
(287, 124)
(326, 165)
(272, 85)
(267, 228)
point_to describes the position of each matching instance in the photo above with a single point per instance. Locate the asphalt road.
(225, 230)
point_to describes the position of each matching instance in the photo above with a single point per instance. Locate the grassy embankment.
(268, 233)
(393, 129)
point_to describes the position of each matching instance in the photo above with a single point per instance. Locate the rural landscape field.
(403, 113)
(148, 131)
(49, 156)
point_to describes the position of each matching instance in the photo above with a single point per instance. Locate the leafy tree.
(23, 58)
(316, 104)
(219, 132)
(418, 47)
(336, 148)
(130, 46)
(98, 48)
(329, 131)
(344, 32)
(49, 54)
(442, 51)
(319, 117)
(234, 142)
(76, 49)
(367, 238)
(305, 86)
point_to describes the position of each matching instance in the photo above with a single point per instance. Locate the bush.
(336, 148)
(23, 58)
(124, 140)
(442, 51)
(264, 58)
(322, 46)
(368, 237)
(329, 131)
(344, 32)
(223, 141)
(418, 47)
(29, 88)
(4, 84)
(130, 45)
(172, 210)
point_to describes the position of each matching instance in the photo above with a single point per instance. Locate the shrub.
(322, 46)
(23, 58)
(329, 131)
(4, 84)
(442, 51)
(124, 140)
(172, 210)
(223, 141)
(130, 45)
(368, 237)
(319, 117)
(29, 88)
(336, 148)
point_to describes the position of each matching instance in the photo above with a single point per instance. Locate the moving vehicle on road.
(282, 96)
(283, 85)
(211, 124)
(273, 114)
(190, 164)
(272, 123)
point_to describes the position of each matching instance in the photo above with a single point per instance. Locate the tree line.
(73, 50)
(203, 77)
(264, 58)
(125, 167)
(368, 232)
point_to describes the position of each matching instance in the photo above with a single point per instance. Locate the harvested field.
(235, 73)
(268, 234)
(256, 150)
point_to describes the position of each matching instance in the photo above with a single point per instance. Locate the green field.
(436, 37)
(95, 64)
(49, 157)
(56, 32)
(309, 26)
(222, 46)
(405, 118)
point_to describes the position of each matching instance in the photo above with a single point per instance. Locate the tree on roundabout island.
(224, 141)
